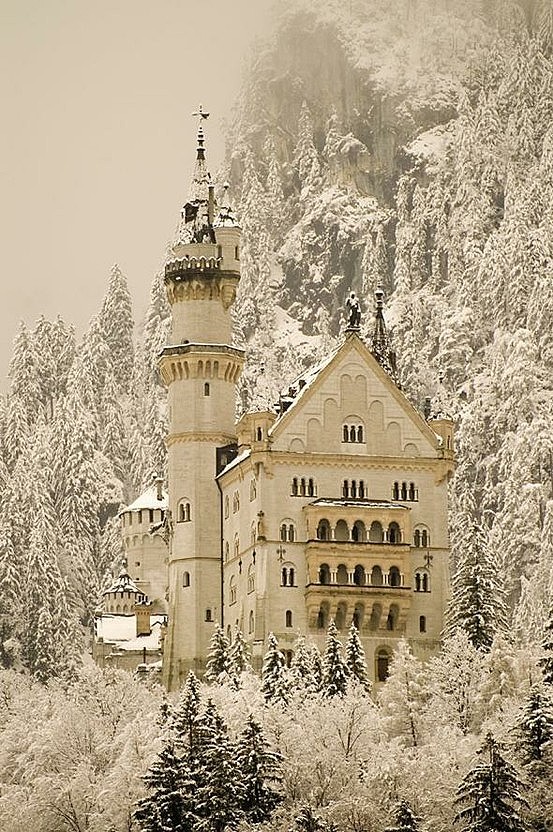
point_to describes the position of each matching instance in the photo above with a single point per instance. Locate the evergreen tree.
(306, 159)
(355, 659)
(260, 773)
(11, 622)
(488, 797)
(404, 695)
(273, 673)
(166, 808)
(546, 659)
(405, 819)
(307, 821)
(239, 657)
(335, 671)
(185, 717)
(218, 792)
(218, 661)
(117, 326)
(535, 726)
(305, 676)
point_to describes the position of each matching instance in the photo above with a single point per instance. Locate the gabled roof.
(316, 376)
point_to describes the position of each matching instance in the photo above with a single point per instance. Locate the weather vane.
(200, 114)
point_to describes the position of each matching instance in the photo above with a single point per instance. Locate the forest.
(406, 144)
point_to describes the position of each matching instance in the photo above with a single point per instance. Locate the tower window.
(382, 665)
(422, 624)
(186, 579)
(232, 590)
(288, 618)
(206, 389)
(259, 434)
(208, 615)
(251, 622)
(183, 515)
(251, 578)
(227, 506)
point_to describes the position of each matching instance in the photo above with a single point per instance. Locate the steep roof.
(149, 500)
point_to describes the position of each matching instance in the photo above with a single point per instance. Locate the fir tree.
(488, 797)
(117, 325)
(10, 600)
(546, 659)
(405, 819)
(166, 809)
(218, 791)
(535, 726)
(273, 673)
(335, 671)
(218, 662)
(307, 821)
(185, 717)
(404, 695)
(306, 159)
(239, 657)
(355, 659)
(304, 675)
(260, 773)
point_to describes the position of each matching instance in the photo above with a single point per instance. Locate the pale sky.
(97, 140)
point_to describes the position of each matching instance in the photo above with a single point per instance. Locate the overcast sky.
(97, 141)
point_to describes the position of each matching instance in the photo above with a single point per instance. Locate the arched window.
(394, 533)
(359, 576)
(284, 576)
(391, 621)
(253, 490)
(291, 577)
(394, 576)
(342, 574)
(235, 502)
(311, 487)
(227, 507)
(251, 622)
(206, 388)
(186, 579)
(358, 532)
(417, 538)
(395, 491)
(283, 532)
(302, 487)
(322, 617)
(382, 664)
(421, 537)
(324, 574)
(183, 515)
(340, 619)
(361, 490)
(323, 530)
(360, 433)
(422, 623)
(288, 618)
(403, 490)
(291, 533)
(251, 578)
(352, 433)
(259, 434)
(288, 656)
(341, 531)
(345, 437)
(377, 578)
(422, 581)
(208, 615)
(295, 487)
(376, 535)
(412, 491)
(252, 533)
(232, 590)
(236, 545)
(358, 615)
(345, 489)
(353, 489)
(424, 538)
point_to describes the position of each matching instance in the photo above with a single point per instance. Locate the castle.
(333, 506)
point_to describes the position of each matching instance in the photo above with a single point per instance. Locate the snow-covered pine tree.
(534, 729)
(335, 671)
(546, 658)
(274, 683)
(307, 821)
(405, 819)
(166, 808)
(239, 657)
(218, 660)
(113, 435)
(303, 675)
(306, 158)
(11, 621)
(117, 326)
(260, 771)
(355, 659)
(490, 795)
(218, 791)
(185, 716)
(404, 695)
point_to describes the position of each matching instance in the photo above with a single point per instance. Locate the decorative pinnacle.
(201, 116)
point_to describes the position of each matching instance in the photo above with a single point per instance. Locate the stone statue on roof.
(354, 309)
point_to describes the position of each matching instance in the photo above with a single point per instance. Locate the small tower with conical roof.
(200, 368)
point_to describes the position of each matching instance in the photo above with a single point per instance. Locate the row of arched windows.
(352, 433)
(287, 532)
(288, 576)
(358, 618)
(405, 491)
(358, 533)
(359, 577)
(302, 487)
(146, 515)
(354, 489)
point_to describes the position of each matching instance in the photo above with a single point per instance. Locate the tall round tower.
(200, 368)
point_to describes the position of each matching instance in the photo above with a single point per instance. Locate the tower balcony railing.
(203, 262)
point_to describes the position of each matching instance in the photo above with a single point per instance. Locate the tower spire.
(196, 220)
(380, 344)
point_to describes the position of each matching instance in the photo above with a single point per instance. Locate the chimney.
(211, 204)
(142, 613)
(159, 488)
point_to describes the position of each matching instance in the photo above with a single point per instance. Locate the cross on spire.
(201, 116)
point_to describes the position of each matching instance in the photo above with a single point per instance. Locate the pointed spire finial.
(201, 116)
(380, 346)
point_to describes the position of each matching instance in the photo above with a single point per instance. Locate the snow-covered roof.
(236, 461)
(303, 382)
(121, 630)
(327, 501)
(149, 500)
(123, 583)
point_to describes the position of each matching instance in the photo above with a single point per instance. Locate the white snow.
(149, 500)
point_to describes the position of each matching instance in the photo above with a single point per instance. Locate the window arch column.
(333, 575)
